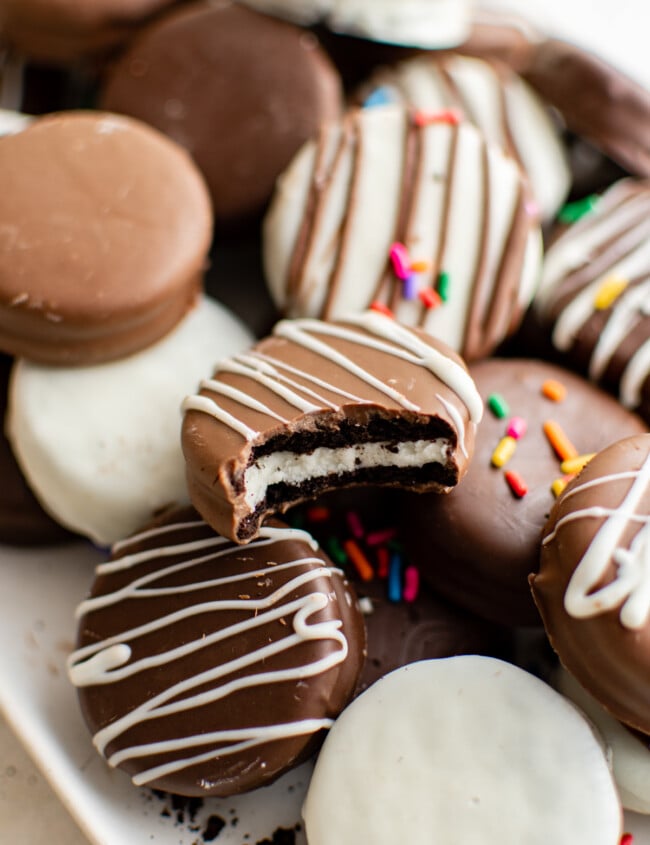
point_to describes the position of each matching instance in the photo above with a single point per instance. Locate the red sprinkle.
(381, 308)
(318, 514)
(360, 561)
(430, 298)
(355, 525)
(516, 483)
(627, 839)
(383, 562)
(425, 118)
(377, 538)
(411, 584)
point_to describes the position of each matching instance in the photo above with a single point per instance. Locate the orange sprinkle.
(420, 266)
(360, 561)
(561, 444)
(318, 514)
(381, 308)
(554, 390)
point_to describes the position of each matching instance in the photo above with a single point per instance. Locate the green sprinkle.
(336, 552)
(498, 405)
(573, 211)
(442, 286)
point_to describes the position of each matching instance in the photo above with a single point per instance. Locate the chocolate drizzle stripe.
(630, 588)
(476, 314)
(333, 282)
(319, 181)
(439, 258)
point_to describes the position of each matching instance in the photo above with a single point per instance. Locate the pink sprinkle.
(377, 538)
(399, 256)
(517, 428)
(410, 290)
(531, 208)
(355, 524)
(411, 584)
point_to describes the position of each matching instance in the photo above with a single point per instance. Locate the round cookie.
(478, 545)
(106, 225)
(386, 177)
(628, 749)
(205, 668)
(466, 749)
(596, 101)
(593, 586)
(100, 445)
(239, 90)
(320, 406)
(496, 100)
(416, 23)
(594, 296)
(68, 30)
(22, 520)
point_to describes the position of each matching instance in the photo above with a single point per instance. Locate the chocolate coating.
(319, 406)
(478, 545)
(106, 225)
(68, 30)
(593, 585)
(241, 91)
(22, 519)
(596, 101)
(242, 655)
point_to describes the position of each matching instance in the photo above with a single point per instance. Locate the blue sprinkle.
(395, 578)
(382, 96)
(410, 289)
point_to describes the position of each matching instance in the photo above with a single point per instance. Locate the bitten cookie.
(239, 90)
(593, 587)
(478, 545)
(496, 100)
(594, 296)
(99, 445)
(105, 227)
(318, 406)
(465, 749)
(416, 23)
(204, 668)
(412, 210)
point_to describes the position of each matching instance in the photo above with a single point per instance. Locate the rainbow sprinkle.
(609, 291)
(504, 451)
(516, 484)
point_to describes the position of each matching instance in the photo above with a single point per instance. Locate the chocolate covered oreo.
(318, 406)
(205, 668)
(105, 226)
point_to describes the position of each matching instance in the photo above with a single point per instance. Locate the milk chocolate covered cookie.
(323, 405)
(478, 545)
(105, 227)
(593, 587)
(594, 295)
(413, 210)
(239, 90)
(205, 668)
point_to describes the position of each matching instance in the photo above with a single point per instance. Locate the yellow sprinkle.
(504, 451)
(609, 291)
(557, 487)
(573, 465)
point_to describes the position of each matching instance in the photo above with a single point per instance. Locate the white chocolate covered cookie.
(415, 211)
(464, 749)
(100, 445)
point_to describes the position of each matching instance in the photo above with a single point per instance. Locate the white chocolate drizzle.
(371, 330)
(631, 587)
(110, 660)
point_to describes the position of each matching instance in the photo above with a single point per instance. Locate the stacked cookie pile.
(446, 261)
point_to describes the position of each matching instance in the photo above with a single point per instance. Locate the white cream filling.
(294, 468)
